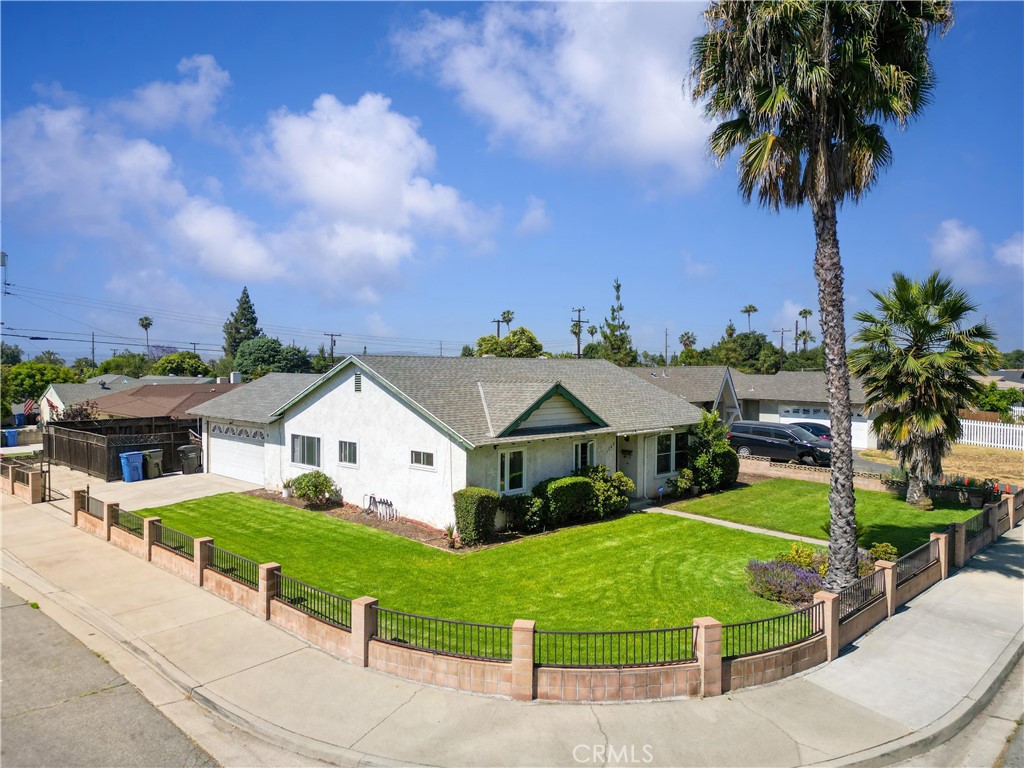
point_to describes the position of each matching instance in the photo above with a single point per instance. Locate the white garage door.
(860, 427)
(236, 452)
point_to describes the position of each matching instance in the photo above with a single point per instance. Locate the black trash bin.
(152, 463)
(191, 459)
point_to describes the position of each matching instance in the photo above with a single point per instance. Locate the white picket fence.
(992, 435)
(1017, 411)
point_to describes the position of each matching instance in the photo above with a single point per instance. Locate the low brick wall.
(630, 684)
(926, 578)
(179, 566)
(491, 678)
(773, 665)
(124, 540)
(334, 640)
(230, 590)
(862, 621)
(91, 524)
(762, 467)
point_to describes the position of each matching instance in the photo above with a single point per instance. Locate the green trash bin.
(152, 463)
(190, 458)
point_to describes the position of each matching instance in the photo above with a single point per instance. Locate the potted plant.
(286, 490)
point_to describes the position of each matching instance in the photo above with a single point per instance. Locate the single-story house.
(1003, 379)
(59, 397)
(706, 386)
(414, 430)
(791, 396)
(149, 400)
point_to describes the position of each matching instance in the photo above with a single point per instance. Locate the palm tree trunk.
(842, 545)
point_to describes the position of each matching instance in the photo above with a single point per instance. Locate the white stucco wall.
(647, 479)
(543, 458)
(386, 431)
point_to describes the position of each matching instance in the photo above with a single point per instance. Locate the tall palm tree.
(916, 366)
(748, 311)
(145, 323)
(576, 331)
(805, 313)
(806, 336)
(801, 87)
(688, 339)
(592, 330)
(507, 317)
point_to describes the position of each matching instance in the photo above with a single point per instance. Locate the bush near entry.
(570, 500)
(315, 488)
(475, 509)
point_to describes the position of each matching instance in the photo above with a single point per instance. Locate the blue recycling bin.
(12, 437)
(19, 419)
(131, 466)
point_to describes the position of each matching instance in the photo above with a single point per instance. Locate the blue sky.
(403, 173)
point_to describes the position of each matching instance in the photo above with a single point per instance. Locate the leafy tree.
(181, 364)
(769, 359)
(145, 323)
(730, 330)
(242, 325)
(321, 361)
(48, 357)
(812, 359)
(748, 311)
(467, 351)
(1010, 360)
(78, 412)
(222, 367)
(30, 379)
(593, 351)
(649, 360)
(997, 400)
(259, 356)
(294, 360)
(10, 354)
(83, 364)
(799, 87)
(518, 343)
(915, 366)
(616, 342)
(126, 363)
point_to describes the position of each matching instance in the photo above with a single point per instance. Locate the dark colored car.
(782, 442)
(824, 431)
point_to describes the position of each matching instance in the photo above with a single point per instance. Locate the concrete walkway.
(912, 681)
(737, 526)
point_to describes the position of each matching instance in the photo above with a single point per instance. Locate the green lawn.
(801, 507)
(636, 572)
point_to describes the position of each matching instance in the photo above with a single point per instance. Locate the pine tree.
(615, 339)
(241, 325)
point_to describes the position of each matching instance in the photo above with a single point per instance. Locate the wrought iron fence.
(862, 593)
(128, 521)
(20, 476)
(241, 569)
(750, 637)
(93, 506)
(974, 527)
(444, 636)
(911, 564)
(174, 541)
(314, 602)
(633, 648)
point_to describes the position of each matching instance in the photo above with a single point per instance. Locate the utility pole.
(440, 346)
(796, 332)
(193, 347)
(498, 323)
(579, 321)
(332, 335)
(93, 354)
(666, 346)
(782, 338)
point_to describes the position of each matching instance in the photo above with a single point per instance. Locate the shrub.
(475, 509)
(571, 499)
(680, 484)
(799, 554)
(315, 488)
(611, 491)
(865, 564)
(523, 513)
(540, 492)
(858, 529)
(706, 472)
(884, 551)
(782, 582)
(727, 459)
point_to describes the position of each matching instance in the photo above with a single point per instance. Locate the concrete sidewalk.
(912, 681)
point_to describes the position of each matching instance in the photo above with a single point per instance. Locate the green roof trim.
(557, 389)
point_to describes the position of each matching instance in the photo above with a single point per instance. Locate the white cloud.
(602, 82)
(696, 269)
(535, 220)
(959, 251)
(1011, 252)
(376, 326)
(222, 241)
(192, 100)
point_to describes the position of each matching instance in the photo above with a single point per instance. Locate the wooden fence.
(95, 447)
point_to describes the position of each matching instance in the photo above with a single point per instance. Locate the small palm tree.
(748, 311)
(592, 330)
(507, 317)
(688, 339)
(801, 89)
(805, 313)
(806, 336)
(916, 365)
(145, 323)
(730, 330)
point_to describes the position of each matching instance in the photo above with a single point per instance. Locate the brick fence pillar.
(709, 655)
(830, 621)
(943, 539)
(364, 626)
(890, 584)
(149, 525)
(110, 510)
(201, 558)
(78, 496)
(959, 545)
(35, 487)
(268, 586)
(522, 660)
(1008, 501)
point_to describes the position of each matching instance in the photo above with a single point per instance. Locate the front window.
(306, 450)
(584, 455)
(671, 453)
(511, 471)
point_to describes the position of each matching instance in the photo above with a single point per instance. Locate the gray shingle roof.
(72, 394)
(695, 383)
(154, 379)
(790, 386)
(256, 401)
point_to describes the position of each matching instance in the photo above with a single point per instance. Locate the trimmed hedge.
(571, 499)
(611, 491)
(475, 509)
(523, 513)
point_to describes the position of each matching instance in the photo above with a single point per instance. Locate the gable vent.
(359, 381)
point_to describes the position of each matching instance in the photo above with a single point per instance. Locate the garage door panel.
(236, 457)
(860, 426)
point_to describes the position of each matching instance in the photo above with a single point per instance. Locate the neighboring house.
(791, 396)
(154, 379)
(149, 400)
(1003, 379)
(414, 430)
(59, 397)
(706, 386)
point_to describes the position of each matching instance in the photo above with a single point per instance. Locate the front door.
(627, 456)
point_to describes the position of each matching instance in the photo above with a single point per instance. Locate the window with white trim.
(671, 453)
(306, 450)
(583, 455)
(511, 471)
(422, 459)
(347, 452)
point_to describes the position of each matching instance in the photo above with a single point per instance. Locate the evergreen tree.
(241, 325)
(616, 342)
